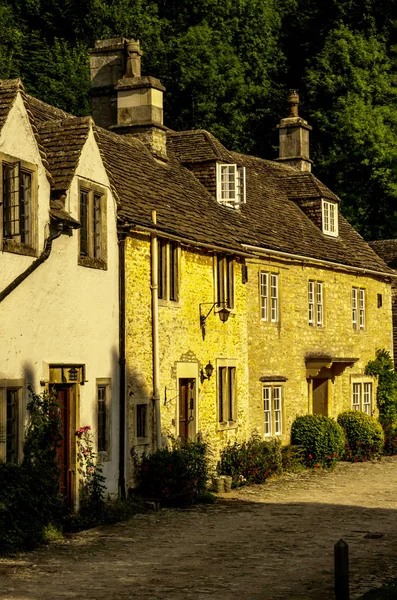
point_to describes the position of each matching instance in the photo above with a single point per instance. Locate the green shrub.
(293, 458)
(111, 511)
(364, 436)
(30, 500)
(390, 447)
(322, 439)
(386, 395)
(177, 475)
(250, 462)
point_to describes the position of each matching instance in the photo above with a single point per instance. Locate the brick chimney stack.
(294, 137)
(123, 100)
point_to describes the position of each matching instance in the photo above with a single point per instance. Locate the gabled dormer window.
(230, 184)
(330, 217)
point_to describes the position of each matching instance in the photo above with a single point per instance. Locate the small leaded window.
(230, 184)
(358, 308)
(269, 292)
(17, 203)
(330, 217)
(92, 232)
(102, 418)
(141, 412)
(272, 410)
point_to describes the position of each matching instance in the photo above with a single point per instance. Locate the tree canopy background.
(227, 66)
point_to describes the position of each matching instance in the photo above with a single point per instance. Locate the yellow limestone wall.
(280, 349)
(182, 348)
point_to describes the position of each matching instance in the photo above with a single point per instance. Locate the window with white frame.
(230, 184)
(358, 308)
(10, 435)
(17, 205)
(330, 217)
(315, 303)
(225, 280)
(269, 293)
(227, 394)
(168, 274)
(362, 396)
(272, 410)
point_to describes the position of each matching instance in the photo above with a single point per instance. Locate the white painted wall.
(63, 312)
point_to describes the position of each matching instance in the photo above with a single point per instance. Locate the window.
(168, 264)
(358, 308)
(103, 412)
(269, 291)
(230, 184)
(315, 303)
(10, 438)
(17, 204)
(362, 396)
(93, 242)
(226, 394)
(330, 217)
(225, 280)
(141, 416)
(272, 409)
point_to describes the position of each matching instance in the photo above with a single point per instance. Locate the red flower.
(329, 456)
(317, 465)
(310, 456)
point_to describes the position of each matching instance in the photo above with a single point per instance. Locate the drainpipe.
(122, 364)
(36, 263)
(155, 331)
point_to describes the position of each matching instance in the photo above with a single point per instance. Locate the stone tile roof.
(63, 141)
(197, 146)
(387, 250)
(270, 219)
(8, 92)
(184, 208)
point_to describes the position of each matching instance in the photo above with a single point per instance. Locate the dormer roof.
(196, 146)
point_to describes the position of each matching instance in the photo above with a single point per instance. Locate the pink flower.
(90, 469)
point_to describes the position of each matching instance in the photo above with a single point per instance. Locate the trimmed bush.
(250, 462)
(364, 436)
(321, 437)
(176, 476)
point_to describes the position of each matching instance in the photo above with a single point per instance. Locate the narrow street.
(269, 542)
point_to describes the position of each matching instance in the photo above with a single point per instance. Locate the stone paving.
(268, 542)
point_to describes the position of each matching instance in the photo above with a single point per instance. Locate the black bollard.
(341, 560)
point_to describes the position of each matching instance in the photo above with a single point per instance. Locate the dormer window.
(230, 184)
(330, 217)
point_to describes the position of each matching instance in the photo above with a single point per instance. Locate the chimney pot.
(293, 99)
(133, 65)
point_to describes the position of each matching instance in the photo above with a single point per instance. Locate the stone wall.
(279, 349)
(183, 351)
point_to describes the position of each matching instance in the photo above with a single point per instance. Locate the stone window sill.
(92, 263)
(18, 248)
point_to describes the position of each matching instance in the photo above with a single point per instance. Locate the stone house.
(59, 305)
(236, 296)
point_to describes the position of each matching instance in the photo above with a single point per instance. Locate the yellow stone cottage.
(212, 235)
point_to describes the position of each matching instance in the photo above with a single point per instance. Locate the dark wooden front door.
(63, 454)
(186, 408)
(320, 396)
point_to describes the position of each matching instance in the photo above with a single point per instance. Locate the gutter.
(263, 251)
(34, 265)
(188, 242)
(155, 330)
(122, 365)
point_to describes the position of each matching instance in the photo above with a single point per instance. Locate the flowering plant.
(92, 480)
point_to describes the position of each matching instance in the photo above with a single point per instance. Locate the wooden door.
(186, 409)
(320, 396)
(63, 453)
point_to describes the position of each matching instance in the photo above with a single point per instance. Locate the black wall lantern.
(223, 313)
(209, 369)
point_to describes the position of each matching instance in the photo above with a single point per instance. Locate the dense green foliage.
(251, 462)
(29, 493)
(322, 438)
(386, 396)
(364, 436)
(175, 476)
(227, 65)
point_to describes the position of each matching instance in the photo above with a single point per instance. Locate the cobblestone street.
(269, 542)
